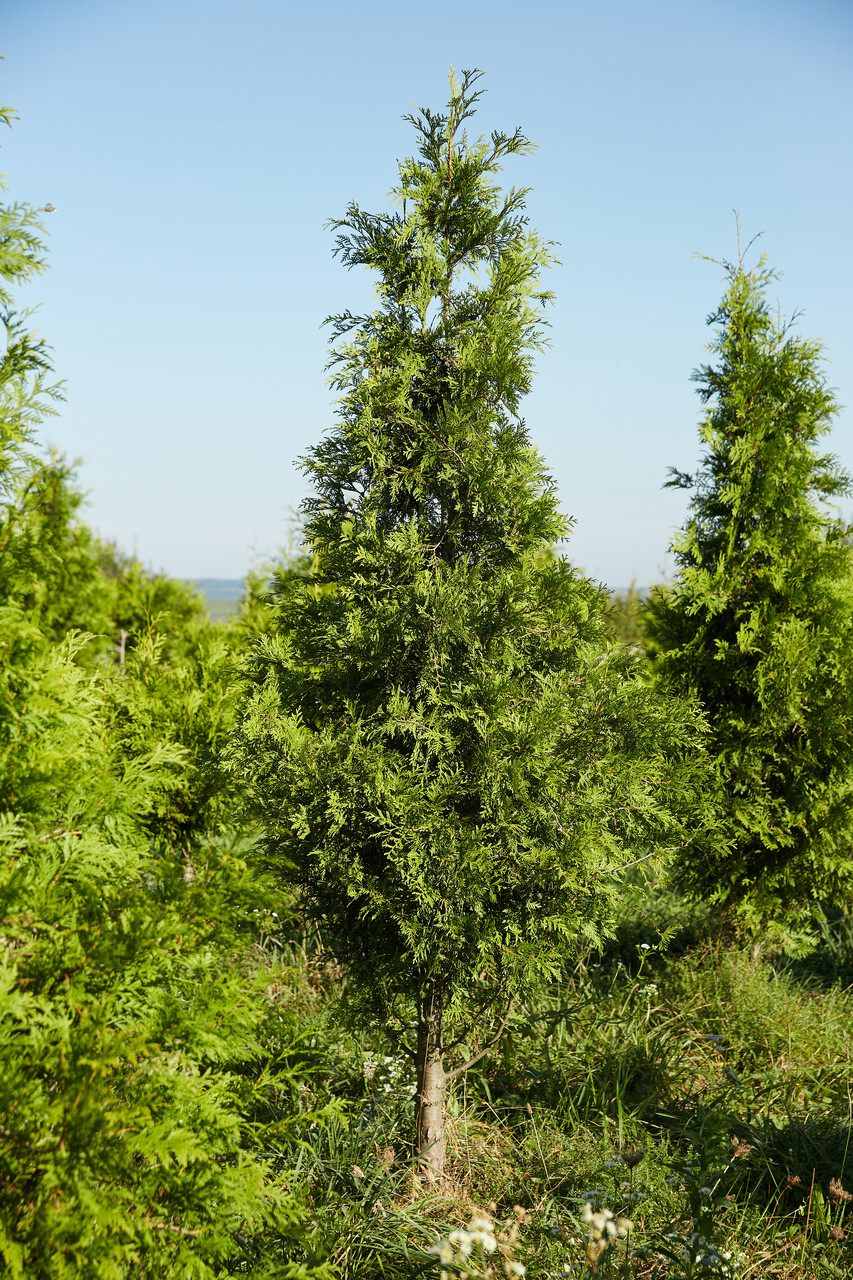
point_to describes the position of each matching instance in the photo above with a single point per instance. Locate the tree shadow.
(831, 962)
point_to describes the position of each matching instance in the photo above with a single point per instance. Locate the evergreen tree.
(759, 623)
(67, 579)
(26, 392)
(51, 564)
(133, 1035)
(125, 1008)
(450, 766)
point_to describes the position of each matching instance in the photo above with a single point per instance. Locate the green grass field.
(700, 1091)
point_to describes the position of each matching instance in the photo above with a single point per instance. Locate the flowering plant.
(469, 1250)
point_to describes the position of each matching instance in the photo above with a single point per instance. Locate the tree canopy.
(759, 622)
(450, 765)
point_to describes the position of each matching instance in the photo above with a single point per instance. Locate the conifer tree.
(449, 764)
(759, 623)
(132, 1036)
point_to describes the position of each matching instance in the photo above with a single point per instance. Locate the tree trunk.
(429, 1098)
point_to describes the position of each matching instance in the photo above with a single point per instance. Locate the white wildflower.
(462, 1241)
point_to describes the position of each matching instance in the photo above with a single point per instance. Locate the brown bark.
(429, 1096)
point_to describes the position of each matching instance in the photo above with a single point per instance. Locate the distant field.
(221, 595)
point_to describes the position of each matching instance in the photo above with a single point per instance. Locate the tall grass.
(699, 1090)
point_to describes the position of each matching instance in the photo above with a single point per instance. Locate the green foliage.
(450, 764)
(26, 394)
(123, 1003)
(625, 618)
(187, 702)
(759, 623)
(649, 1076)
(143, 602)
(66, 579)
(51, 563)
(454, 762)
(135, 1036)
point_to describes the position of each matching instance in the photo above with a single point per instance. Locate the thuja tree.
(759, 622)
(134, 1038)
(449, 764)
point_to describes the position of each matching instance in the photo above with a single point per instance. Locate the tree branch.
(490, 1044)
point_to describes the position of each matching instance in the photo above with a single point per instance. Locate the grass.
(700, 1090)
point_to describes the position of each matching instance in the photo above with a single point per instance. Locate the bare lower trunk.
(429, 1098)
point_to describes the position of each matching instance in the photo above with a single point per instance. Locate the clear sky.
(195, 150)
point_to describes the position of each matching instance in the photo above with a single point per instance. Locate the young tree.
(133, 1036)
(126, 1012)
(26, 393)
(449, 764)
(759, 623)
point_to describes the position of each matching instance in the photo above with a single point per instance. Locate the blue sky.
(194, 152)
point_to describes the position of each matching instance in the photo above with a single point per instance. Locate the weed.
(677, 1107)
